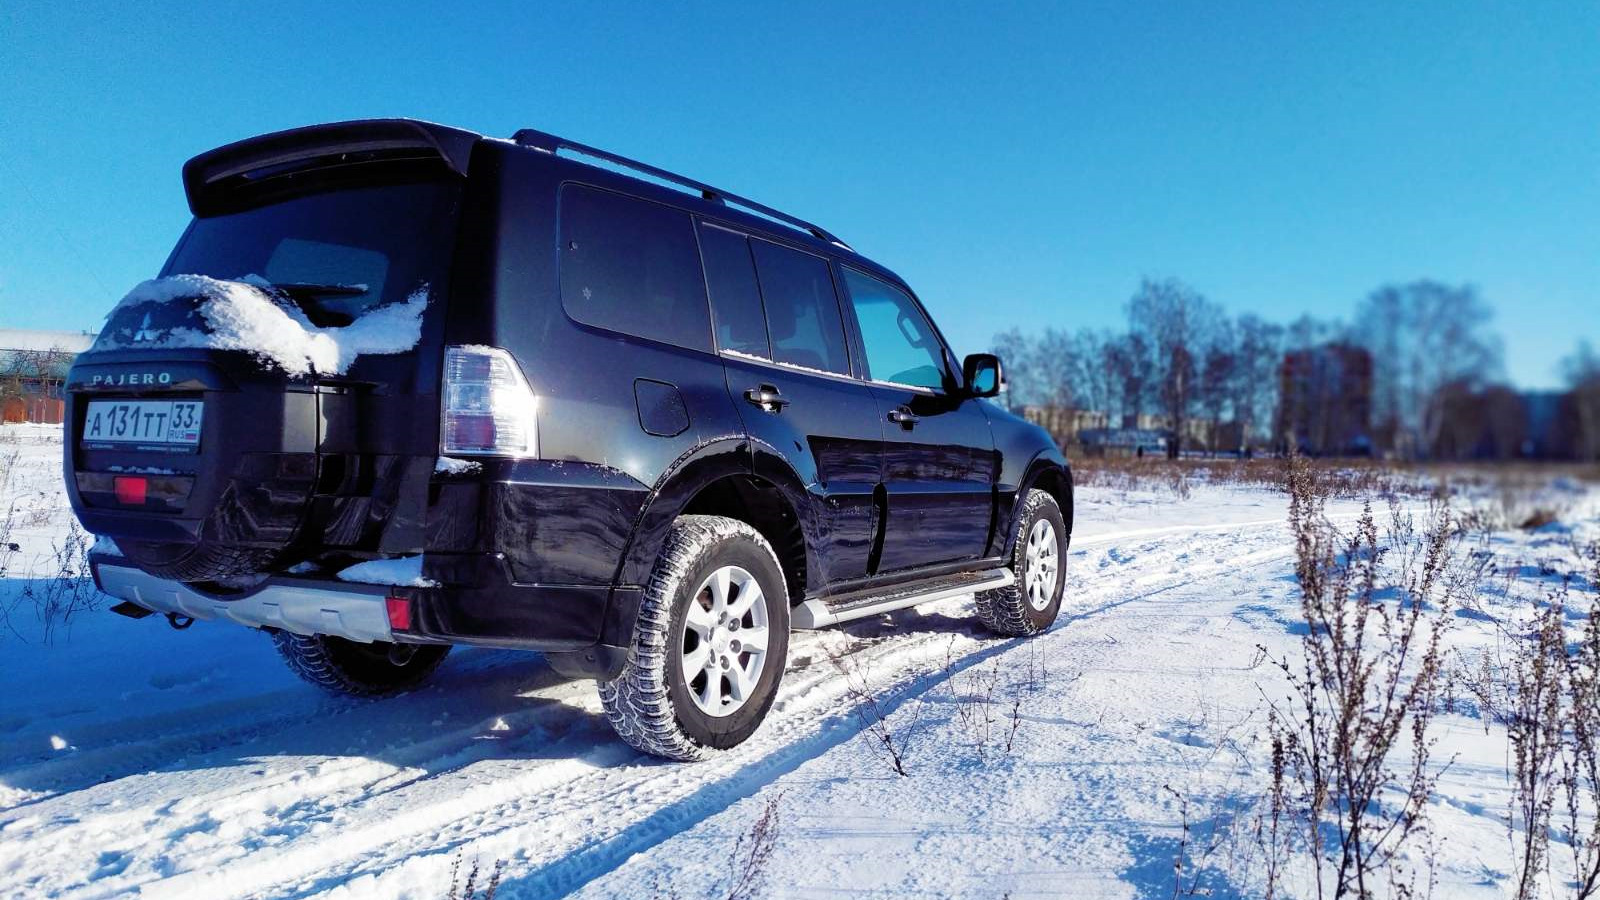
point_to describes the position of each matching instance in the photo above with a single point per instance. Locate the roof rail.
(549, 143)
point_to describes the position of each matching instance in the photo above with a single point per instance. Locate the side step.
(817, 613)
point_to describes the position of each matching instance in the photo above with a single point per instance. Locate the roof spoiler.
(208, 177)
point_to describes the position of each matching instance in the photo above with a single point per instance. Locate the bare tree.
(1053, 358)
(1582, 371)
(1132, 370)
(1176, 320)
(1218, 374)
(1018, 356)
(1256, 382)
(1423, 336)
(1091, 374)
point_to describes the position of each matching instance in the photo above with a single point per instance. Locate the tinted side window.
(735, 297)
(901, 346)
(802, 309)
(629, 265)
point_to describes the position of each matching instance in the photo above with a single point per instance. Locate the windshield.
(337, 254)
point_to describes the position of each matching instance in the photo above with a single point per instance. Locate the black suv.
(402, 386)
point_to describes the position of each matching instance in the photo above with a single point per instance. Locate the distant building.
(1325, 404)
(1123, 442)
(1065, 425)
(33, 370)
(1496, 422)
(1199, 433)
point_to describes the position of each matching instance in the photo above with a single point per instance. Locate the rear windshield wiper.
(321, 290)
(310, 297)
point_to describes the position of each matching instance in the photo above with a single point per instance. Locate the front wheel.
(709, 646)
(1030, 603)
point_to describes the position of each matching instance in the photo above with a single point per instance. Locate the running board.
(818, 614)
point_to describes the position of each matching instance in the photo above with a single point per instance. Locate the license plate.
(143, 424)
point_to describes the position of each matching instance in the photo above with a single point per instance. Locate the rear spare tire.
(197, 562)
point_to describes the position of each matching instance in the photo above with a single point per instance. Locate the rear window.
(338, 254)
(802, 310)
(632, 266)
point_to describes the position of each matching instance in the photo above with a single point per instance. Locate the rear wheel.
(709, 646)
(360, 670)
(1029, 604)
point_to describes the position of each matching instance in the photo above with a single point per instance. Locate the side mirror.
(980, 373)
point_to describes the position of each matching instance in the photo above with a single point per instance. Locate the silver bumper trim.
(356, 613)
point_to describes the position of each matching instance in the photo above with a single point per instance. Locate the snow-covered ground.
(140, 761)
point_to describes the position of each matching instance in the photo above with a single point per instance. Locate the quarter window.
(900, 344)
(735, 297)
(630, 265)
(802, 309)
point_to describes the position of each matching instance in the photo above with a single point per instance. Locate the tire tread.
(637, 702)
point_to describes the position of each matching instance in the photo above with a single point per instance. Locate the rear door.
(780, 331)
(939, 460)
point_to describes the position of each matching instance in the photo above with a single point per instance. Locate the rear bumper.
(583, 634)
(354, 612)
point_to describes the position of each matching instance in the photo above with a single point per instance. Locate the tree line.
(1416, 372)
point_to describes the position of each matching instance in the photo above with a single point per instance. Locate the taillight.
(489, 409)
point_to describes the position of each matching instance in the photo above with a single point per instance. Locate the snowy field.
(136, 760)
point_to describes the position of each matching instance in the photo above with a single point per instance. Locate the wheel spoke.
(739, 683)
(700, 620)
(710, 696)
(720, 584)
(753, 639)
(694, 662)
(749, 594)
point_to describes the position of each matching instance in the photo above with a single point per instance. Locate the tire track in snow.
(796, 737)
(562, 821)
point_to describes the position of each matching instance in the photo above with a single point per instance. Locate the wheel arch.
(1054, 478)
(728, 478)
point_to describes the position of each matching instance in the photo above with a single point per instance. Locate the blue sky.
(1016, 163)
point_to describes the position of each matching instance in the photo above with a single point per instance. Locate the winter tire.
(710, 644)
(1029, 604)
(360, 670)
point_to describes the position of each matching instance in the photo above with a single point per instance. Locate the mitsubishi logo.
(143, 334)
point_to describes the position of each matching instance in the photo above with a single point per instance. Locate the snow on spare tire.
(249, 315)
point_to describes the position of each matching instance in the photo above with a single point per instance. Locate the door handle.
(905, 418)
(767, 397)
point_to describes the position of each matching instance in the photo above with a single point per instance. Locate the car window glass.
(356, 269)
(802, 310)
(736, 312)
(901, 346)
(630, 265)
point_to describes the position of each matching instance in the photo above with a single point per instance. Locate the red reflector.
(130, 491)
(399, 613)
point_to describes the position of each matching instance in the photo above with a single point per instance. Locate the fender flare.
(687, 476)
(1042, 467)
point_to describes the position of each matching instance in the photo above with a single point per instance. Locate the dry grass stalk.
(1366, 688)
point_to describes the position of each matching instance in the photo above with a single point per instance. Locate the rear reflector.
(399, 613)
(130, 491)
